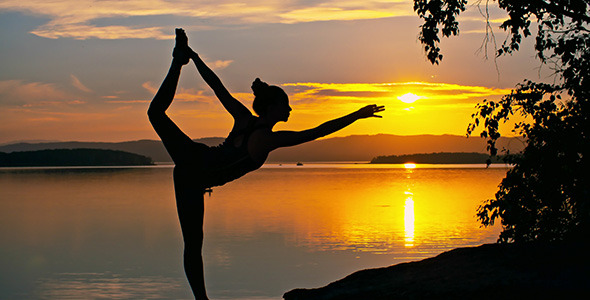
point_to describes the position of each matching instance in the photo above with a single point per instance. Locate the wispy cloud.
(440, 108)
(341, 96)
(149, 86)
(127, 101)
(18, 92)
(221, 64)
(334, 13)
(77, 18)
(53, 103)
(431, 94)
(182, 94)
(192, 95)
(79, 85)
(84, 31)
(44, 110)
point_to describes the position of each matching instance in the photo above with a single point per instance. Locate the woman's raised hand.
(370, 111)
(182, 52)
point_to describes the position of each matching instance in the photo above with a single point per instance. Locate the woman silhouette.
(199, 167)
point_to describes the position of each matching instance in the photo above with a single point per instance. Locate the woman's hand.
(182, 53)
(369, 111)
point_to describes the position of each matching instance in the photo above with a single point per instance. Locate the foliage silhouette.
(545, 196)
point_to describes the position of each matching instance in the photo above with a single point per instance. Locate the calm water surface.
(113, 233)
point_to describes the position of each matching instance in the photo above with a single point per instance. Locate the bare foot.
(181, 50)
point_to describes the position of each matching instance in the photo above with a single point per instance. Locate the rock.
(492, 271)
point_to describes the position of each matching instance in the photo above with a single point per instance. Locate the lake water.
(113, 233)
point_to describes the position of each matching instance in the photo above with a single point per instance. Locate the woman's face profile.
(280, 110)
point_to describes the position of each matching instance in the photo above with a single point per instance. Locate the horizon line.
(36, 141)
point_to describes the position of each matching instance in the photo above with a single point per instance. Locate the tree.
(546, 195)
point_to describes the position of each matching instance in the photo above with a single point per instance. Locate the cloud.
(182, 94)
(77, 18)
(77, 84)
(73, 118)
(191, 95)
(431, 94)
(221, 64)
(53, 103)
(340, 96)
(149, 86)
(18, 92)
(82, 32)
(127, 101)
(333, 14)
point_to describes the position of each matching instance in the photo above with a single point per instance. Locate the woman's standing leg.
(191, 211)
(184, 152)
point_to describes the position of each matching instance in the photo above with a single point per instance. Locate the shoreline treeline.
(72, 157)
(439, 158)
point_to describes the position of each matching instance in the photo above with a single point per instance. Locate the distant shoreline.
(285, 165)
(73, 158)
(106, 157)
(345, 149)
(439, 158)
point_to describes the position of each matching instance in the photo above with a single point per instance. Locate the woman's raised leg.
(177, 143)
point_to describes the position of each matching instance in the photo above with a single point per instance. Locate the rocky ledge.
(491, 271)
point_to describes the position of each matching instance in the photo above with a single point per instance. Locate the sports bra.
(233, 161)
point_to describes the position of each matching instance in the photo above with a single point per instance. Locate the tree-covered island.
(72, 157)
(438, 158)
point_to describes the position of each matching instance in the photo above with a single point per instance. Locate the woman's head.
(270, 101)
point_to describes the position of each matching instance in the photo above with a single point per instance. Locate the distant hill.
(366, 147)
(149, 148)
(437, 158)
(72, 157)
(350, 148)
(28, 141)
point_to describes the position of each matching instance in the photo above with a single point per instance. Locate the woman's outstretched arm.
(291, 138)
(238, 111)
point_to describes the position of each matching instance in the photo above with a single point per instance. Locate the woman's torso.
(233, 159)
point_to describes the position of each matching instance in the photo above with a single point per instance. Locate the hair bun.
(259, 87)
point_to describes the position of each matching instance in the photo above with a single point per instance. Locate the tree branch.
(554, 9)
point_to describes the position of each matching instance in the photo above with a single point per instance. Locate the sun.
(408, 98)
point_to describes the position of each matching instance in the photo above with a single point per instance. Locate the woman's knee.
(154, 114)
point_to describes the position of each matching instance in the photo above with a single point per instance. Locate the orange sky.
(86, 70)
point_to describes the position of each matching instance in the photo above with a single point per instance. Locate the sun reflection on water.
(409, 221)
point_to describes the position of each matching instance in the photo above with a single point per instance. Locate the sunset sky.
(86, 70)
